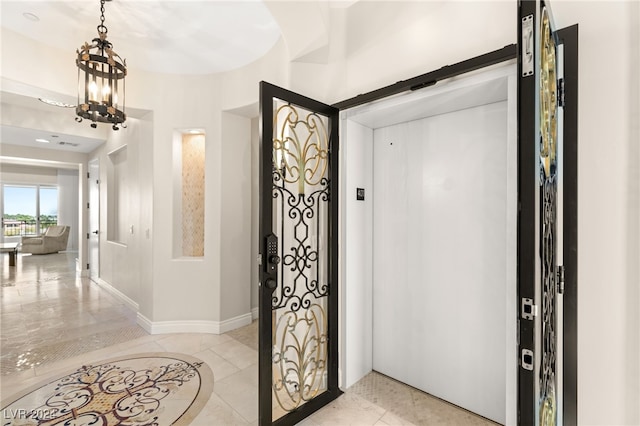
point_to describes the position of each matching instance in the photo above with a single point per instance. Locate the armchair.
(53, 240)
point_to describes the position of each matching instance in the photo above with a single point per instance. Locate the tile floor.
(53, 321)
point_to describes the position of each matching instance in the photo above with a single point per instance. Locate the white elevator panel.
(440, 233)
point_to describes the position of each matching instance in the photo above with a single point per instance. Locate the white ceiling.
(178, 36)
(56, 140)
(168, 36)
(181, 37)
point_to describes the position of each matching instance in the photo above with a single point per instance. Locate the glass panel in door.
(298, 221)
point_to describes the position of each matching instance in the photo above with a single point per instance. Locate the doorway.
(459, 87)
(429, 225)
(94, 220)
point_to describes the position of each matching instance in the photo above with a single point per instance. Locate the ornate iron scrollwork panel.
(301, 183)
(548, 217)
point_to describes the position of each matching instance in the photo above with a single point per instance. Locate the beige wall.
(608, 210)
(123, 263)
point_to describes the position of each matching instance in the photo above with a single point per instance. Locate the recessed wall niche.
(188, 193)
(117, 195)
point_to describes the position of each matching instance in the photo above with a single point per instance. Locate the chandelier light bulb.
(93, 92)
(106, 91)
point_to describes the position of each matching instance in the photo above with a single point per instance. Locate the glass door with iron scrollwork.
(540, 271)
(298, 359)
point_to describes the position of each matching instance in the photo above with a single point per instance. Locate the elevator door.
(441, 255)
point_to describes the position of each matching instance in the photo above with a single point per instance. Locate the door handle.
(270, 284)
(96, 232)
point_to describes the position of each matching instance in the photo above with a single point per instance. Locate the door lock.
(529, 310)
(526, 359)
(273, 259)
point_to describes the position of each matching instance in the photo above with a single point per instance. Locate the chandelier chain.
(102, 29)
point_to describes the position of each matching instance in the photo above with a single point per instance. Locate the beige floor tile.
(191, 343)
(240, 391)
(390, 419)
(308, 422)
(247, 335)
(349, 409)
(236, 353)
(431, 410)
(221, 367)
(393, 396)
(146, 347)
(187, 343)
(209, 340)
(218, 413)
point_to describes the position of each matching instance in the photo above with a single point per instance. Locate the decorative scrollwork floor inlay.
(137, 390)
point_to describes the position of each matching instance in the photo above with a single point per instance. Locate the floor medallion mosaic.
(137, 390)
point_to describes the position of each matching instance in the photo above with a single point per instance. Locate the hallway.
(53, 322)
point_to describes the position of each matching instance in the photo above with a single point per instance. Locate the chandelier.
(101, 74)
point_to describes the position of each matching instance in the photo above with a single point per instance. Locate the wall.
(16, 173)
(185, 290)
(255, 225)
(53, 119)
(356, 301)
(57, 76)
(68, 202)
(235, 225)
(608, 210)
(122, 263)
(400, 42)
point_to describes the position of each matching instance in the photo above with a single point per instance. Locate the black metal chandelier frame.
(101, 80)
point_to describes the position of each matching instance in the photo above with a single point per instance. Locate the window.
(28, 209)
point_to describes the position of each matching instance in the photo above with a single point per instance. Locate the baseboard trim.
(193, 326)
(255, 313)
(132, 304)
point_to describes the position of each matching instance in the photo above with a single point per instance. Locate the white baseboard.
(255, 313)
(193, 326)
(145, 323)
(133, 305)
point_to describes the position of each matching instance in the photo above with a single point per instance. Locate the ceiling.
(175, 37)
(49, 140)
(180, 37)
